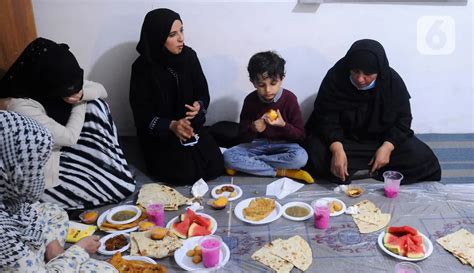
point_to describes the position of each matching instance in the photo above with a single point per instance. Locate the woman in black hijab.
(87, 167)
(361, 121)
(169, 97)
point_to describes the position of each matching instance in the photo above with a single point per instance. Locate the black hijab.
(46, 72)
(337, 93)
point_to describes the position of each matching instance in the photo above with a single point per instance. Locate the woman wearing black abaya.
(361, 121)
(169, 97)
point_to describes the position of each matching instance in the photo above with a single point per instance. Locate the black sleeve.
(200, 92)
(141, 103)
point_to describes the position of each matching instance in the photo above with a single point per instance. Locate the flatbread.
(370, 218)
(295, 250)
(265, 256)
(143, 245)
(160, 194)
(460, 244)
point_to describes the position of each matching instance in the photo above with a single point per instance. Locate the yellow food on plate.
(158, 233)
(335, 206)
(259, 208)
(272, 114)
(89, 216)
(220, 202)
(145, 225)
(125, 266)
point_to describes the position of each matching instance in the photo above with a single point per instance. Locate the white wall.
(103, 35)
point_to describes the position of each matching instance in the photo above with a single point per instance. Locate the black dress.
(161, 84)
(363, 120)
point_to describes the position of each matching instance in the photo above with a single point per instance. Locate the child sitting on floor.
(271, 125)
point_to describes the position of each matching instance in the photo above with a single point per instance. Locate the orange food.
(125, 266)
(145, 225)
(89, 216)
(272, 114)
(158, 233)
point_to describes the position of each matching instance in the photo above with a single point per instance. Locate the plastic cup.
(211, 250)
(392, 181)
(321, 215)
(156, 214)
(407, 267)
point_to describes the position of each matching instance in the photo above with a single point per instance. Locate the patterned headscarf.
(25, 147)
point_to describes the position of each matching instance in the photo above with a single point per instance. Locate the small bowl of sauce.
(297, 211)
(123, 214)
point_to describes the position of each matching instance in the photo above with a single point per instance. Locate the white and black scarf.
(25, 146)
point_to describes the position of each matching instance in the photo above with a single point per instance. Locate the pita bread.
(259, 208)
(295, 250)
(265, 256)
(143, 245)
(370, 218)
(160, 194)
(460, 244)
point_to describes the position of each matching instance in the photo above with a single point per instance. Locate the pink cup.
(391, 185)
(156, 214)
(211, 250)
(321, 215)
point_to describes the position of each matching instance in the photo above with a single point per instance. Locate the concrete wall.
(439, 73)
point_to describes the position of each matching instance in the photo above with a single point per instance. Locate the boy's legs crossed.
(245, 158)
(284, 156)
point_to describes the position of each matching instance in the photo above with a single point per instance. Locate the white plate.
(139, 258)
(239, 212)
(300, 204)
(426, 243)
(214, 222)
(330, 199)
(186, 262)
(226, 194)
(102, 240)
(101, 219)
(137, 210)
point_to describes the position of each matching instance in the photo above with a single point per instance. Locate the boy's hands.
(279, 122)
(89, 244)
(259, 125)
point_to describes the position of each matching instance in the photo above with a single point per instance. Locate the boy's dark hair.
(268, 63)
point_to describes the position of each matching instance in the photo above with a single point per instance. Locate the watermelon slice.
(181, 228)
(393, 243)
(197, 230)
(203, 221)
(413, 250)
(417, 239)
(403, 230)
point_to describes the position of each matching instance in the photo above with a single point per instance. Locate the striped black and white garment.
(94, 171)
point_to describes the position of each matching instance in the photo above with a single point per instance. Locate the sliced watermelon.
(191, 215)
(393, 243)
(416, 239)
(203, 221)
(414, 251)
(197, 230)
(181, 228)
(403, 230)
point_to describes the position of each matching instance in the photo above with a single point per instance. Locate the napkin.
(199, 188)
(283, 187)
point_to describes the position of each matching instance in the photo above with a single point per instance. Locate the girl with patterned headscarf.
(87, 168)
(169, 97)
(29, 231)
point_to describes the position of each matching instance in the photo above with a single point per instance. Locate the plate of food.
(139, 258)
(135, 264)
(258, 210)
(297, 211)
(189, 256)
(114, 242)
(405, 243)
(104, 225)
(191, 224)
(336, 206)
(231, 191)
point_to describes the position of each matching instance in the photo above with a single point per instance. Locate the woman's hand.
(182, 128)
(381, 157)
(338, 161)
(89, 244)
(193, 110)
(74, 98)
(279, 122)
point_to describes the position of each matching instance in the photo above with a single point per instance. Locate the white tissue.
(352, 210)
(195, 206)
(283, 187)
(199, 188)
(341, 188)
